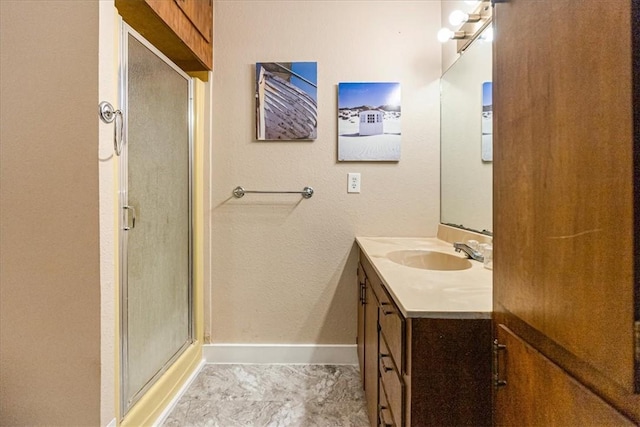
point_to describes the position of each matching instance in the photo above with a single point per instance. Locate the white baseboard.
(163, 416)
(319, 354)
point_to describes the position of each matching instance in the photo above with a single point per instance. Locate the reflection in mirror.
(466, 193)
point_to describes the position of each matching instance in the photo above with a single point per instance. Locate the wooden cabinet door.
(539, 393)
(361, 321)
(564, 178)
(371, 353)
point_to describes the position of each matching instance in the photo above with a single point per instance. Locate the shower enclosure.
(156, 309)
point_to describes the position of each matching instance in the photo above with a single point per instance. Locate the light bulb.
(457, 17)
(444, 35)
(487, 35)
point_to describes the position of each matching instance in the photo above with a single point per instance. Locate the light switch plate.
(353, 182)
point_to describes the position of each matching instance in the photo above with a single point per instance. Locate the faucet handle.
(468, 250)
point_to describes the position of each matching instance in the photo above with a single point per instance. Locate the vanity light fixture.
(469, 25)
(459, 17)
(445, 34)
(487, 35)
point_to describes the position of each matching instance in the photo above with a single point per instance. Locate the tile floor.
(272, 395)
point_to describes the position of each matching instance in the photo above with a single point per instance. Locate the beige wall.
(283, 269)
(450, 48)
(49, 249)
(108, 91)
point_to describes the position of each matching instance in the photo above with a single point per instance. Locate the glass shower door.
(156, 308)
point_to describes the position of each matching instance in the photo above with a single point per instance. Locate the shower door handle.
(131, 209)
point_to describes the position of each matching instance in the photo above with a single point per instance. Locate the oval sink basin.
(429, 260)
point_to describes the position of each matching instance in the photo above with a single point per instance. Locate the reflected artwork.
(487, 122)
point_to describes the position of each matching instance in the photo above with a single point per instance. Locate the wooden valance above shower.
(180, 29)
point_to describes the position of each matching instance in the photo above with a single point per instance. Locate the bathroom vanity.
(424, 333)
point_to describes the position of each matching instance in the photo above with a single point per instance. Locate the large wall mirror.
(466, 194)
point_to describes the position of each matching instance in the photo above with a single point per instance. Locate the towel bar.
(239, 192)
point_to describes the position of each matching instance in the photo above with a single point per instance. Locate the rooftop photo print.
(369, 122)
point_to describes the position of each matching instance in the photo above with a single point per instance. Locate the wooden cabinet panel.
(166, 26)
(384, 413)
(373, 288)
(199, 13)
(376, 284)
(563, 177)
(371, 353)
(539, 393)
(361, 320)
(391, 384)
(392, 329)
(450, 369)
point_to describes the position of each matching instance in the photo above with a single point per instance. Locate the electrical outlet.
(353, 183)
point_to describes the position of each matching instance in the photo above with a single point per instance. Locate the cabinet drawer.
(392, 328)
(390, 384)
(386, 361)
(385, 419)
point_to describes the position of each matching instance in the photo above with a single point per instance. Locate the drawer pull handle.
(497, 348)
(383, 410)
(385, 368)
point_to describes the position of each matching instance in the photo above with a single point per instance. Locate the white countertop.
(459, 294)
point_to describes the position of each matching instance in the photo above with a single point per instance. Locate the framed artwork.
(487, 122)
(286, 101)
(369, 122)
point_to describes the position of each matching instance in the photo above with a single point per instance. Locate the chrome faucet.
(469, 251)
